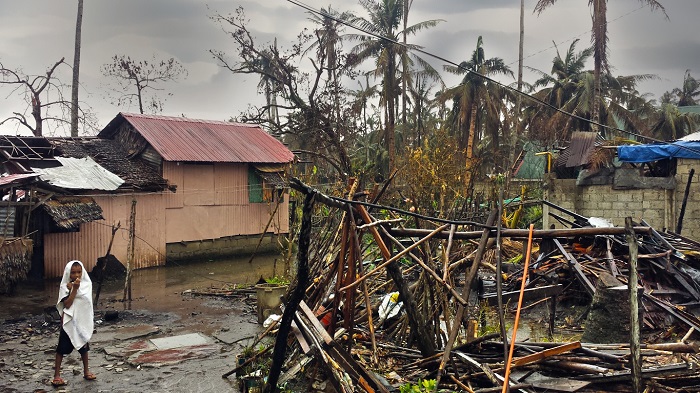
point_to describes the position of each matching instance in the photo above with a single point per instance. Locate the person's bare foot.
(90, 376)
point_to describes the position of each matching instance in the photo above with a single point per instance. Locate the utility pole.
(76, 72)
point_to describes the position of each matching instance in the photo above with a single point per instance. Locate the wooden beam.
(529, 294)
(522, 233)
(538, 356)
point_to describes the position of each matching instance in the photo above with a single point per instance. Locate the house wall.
(211, 202)
(93, 238)
(208, 215)
(660, 208)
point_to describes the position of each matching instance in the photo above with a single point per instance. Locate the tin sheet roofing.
(81, 174)
(582, 145)
(110, 155)
(16, 179)
(194, 140)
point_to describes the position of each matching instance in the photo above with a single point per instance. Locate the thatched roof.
(68, 212)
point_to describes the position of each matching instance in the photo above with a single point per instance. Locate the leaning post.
(636, 360)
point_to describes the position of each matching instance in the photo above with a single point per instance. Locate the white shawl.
(78, 318)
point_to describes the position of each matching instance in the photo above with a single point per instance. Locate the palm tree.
(474, 93)
(599, 37)
(690, 91)
(671, 124)
(385, 18)
(362, 96)
(561, 88)
(571, 88)
(328, 40)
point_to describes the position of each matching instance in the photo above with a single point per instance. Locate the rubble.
(331, 323)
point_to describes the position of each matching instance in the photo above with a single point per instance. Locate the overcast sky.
(34, 34)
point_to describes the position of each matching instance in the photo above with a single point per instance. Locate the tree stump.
(608, 320)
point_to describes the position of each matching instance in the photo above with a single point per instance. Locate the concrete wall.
(660, 208)
(222, 247)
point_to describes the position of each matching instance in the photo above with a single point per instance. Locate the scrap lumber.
(468, 279)
(302, 277)
(521, 233)
(424, 341)
(529, 294)
(539, 356)
(587, 285)
(569, 263)
(481, 366)
(679, 314)
(339, 355)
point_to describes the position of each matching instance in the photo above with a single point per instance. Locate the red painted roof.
(194, 140)
(15, 178)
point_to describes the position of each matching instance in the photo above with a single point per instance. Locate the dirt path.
(27, 350)
(28, 339)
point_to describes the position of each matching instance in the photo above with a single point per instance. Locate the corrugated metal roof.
(15, 178)
(111, 155)
(691, 137)
(581, 147)
(194, 140)
(81, 174)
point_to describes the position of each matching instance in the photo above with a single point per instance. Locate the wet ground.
(198, 336)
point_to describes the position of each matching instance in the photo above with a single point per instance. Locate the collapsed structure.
(366, 253)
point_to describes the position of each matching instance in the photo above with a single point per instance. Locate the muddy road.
(191, 340)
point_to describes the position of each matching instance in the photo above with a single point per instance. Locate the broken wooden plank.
(481, 366)
(337, 353)
(587, 285)
(538, 356)
(521, 233)
(528, 294)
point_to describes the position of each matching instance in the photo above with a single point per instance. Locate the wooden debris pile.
(378, 306)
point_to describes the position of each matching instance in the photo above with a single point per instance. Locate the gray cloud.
(36, 33)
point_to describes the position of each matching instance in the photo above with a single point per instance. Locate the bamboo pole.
(636, 358)
(522, 233)
(499, 273)
(506, 377)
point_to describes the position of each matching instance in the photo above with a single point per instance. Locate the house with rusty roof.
(192, 188)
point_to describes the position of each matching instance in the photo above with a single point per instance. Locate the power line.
(575, 37)
(487, 78)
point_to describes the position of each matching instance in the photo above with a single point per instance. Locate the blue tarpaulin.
(659, 151)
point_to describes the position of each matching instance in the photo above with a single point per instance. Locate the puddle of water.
(155, 289)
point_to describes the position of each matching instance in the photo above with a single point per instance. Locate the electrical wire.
(487, 78)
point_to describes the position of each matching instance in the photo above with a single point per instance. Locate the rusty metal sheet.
(194, 140)
(581, 147)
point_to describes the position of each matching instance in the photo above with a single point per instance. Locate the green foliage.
(531, 214)
(425, 385)
(277, 280)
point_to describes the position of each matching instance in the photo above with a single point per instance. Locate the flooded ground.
(161, 308)
(151, 288)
